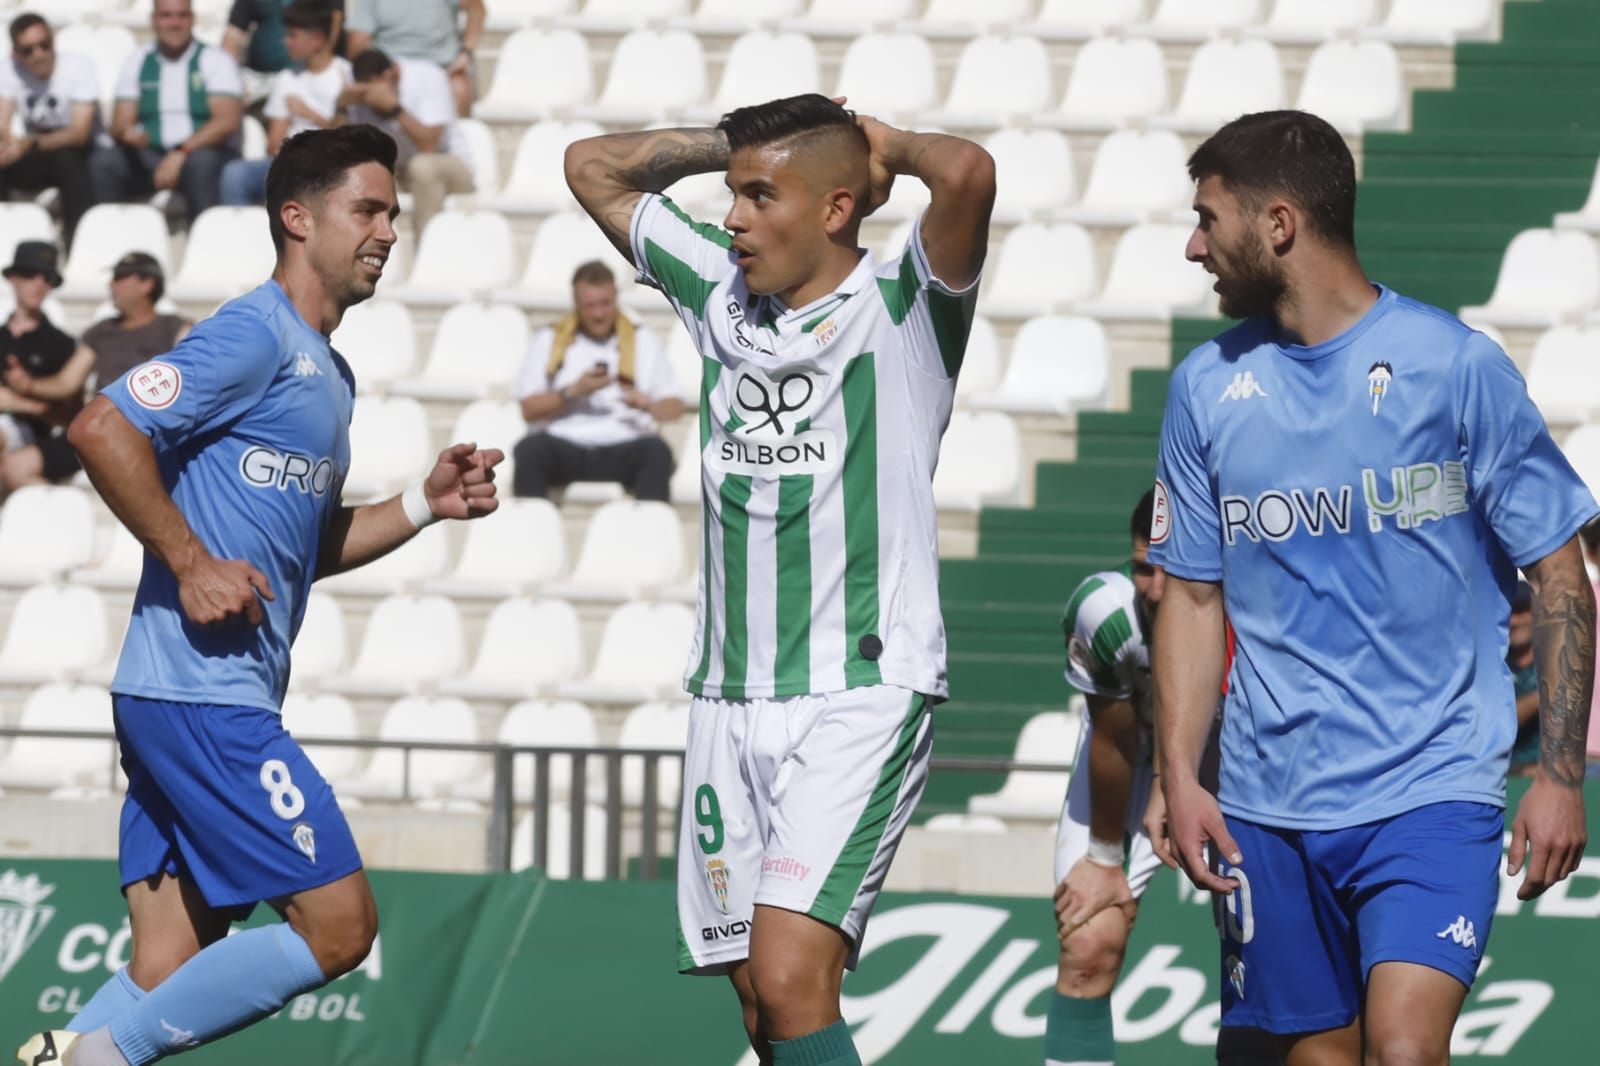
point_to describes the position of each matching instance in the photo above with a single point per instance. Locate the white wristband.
(414, 501)
(1103, 853)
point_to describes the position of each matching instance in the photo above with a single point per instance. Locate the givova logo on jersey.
(1406, 496)
(770, 433)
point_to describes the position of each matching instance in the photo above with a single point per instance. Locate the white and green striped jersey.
(1108, 650)
(819, 433)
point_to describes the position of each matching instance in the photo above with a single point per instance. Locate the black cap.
(141, 264)
(36, 257)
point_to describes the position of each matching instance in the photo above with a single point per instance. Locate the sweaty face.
(36, 50)
(1149, 580)
(596, 306)
(173, 22)
(777, 220)
(352, 233)
(1228, 241)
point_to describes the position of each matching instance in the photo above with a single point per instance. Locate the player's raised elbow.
(968, 173)
(93, 429)
(577, 166)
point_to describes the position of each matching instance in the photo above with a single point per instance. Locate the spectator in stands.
(30, 345)
(58, 98)
(257, 39)
(304, 97)
(423, 29)
(600, 386)
(1524, 681)
(110, 348)
(409, 99)
(176, 122)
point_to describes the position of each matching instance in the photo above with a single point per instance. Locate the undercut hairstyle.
(313, 163)
(1144, 513)
(314, 15)
(25, 22)
(370, 64)
(791, 117)
(593, 272)
(1292, 154)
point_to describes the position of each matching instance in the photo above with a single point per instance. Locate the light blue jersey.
(250, 418)
(1364, 504)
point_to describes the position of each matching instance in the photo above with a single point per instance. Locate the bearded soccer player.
(827, 381)
(226, 458)
(1356, 477)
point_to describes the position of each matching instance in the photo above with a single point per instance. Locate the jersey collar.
(806, 318)
(1310, 353)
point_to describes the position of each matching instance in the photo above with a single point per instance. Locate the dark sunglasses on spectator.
(26, 50)
(126, 272)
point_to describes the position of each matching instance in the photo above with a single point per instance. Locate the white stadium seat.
(968, 18)
(45, 530)
(766, 65)
(462, 253)
(378, 340)
(55, 631)
(1562, 378)
(888, 74)
(998, 81)
(740, 16)
(118, 560)
(522, 545)
(632, 547)
(1355, 86)
(527, 646)
(320, 648)
(1226, 79)
(1058, 362)
(30, 222)
(617, 15)
(1150, 278)
(687, 365)
(476, 352)
(325, 717)
(1437, 22)
(851, 18)
(517, 14)
(545, 724)
(538, 72)
(431, 773)
(107, 46)
(980, 461)
(1035, 173)
(980, 364)
(558, 864)
(1137, 175)
(106, 233)
(1051, 737)
(1197, 20)
(229, 252)
(483, 156)
(1040, 268)
(389, 446)
(659, 726)
(641, 657)
(1315, 21)
(1082, 19)
(537, 184)
(1113, 83)
(417, 560)
(1586, 218)
(492, 424)
(50, 762)
(252, 139)
(654, 73)
(1546, 275)
(685, 485)
(952, 822)
(562, 242)
(1582, 448)
(410, 642)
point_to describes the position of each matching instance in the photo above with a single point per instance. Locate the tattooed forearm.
(1563, 647)
(607, 174)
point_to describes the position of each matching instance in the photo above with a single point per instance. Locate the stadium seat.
(1113, 83)
(1151, 279)
(431, 773)
(641, 656)
(1057, 363)
(29, 222)
(326, 717)
(1199, 20)
(106, 233)
(527, 646)
(389, 446)
(378, 340)
(654, 73)
(658, 726)
(685, 485)
(953, 822)
(687, 364)
(492, 424)
(631, 548)
(1315, 21)
(765, 65)
(1355, 86)
(1051, 737)
(728, 17)
(537, 184)
(1226, 79)
(45, 530)
(852, 18)
(108, 46)
(544, 724)
(417, 560)
(1035, 173)
(1039, 268)
(461, 253)
(1582, 448)
(484, 157)
(894, 243)
(514, 15)
(117, 563)
(968, 18)
(521, 546)
(1082, 19)
(229, 252)
(615, 16)
(252, 139)
(980, 364)
(1586, 218)
(1437, 22)
(562, 242)
(1546, 275)
(54, 631)
(558, 865)
(1562, 378)
(538, 72)
(890, 75)
(705, 197)
(320, 648)
(999, 81)
(52, 762)
(980, 462)
(1138, 175)
(908, 200)
(476, 351)
(410, 643)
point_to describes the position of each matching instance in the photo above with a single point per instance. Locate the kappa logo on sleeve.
(155, 384)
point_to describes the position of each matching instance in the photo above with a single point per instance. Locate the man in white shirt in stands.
(410, 100)
(176, 122)
(303, 97)
(600, 387)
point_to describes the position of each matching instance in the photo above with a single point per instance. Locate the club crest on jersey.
(717, 875)
(305, 838)
(1235, 967)
(1378, 379)
(825, 333)
(768, 432)
(23, 916)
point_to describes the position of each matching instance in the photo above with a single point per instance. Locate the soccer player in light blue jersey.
(226, 458)
(1355, 477)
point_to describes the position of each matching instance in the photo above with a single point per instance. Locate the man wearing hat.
(110, 348)
(37, 348)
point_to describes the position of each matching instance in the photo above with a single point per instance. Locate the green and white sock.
(1077, 1032)
(825, 1047)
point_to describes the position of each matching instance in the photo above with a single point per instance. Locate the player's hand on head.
(1548, 836)
(461, 484)
(216, 591)
(882, 178)
(1088, 889)
(1194, 820)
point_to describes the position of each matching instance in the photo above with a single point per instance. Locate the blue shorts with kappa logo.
(1316, 910)
(224, 796)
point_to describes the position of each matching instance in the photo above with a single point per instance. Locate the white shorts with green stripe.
(1072, 836)
(796, 803)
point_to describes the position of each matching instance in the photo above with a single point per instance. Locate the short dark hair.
(1293, 154)
(314, 15)
(314, 162)
(593, 272)
(1144, 513)
(25, 22)
(370, 64)
(778, 120)
(142, 265)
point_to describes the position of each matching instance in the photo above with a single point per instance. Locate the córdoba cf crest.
(1378, 379)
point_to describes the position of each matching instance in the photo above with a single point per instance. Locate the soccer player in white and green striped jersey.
(827, 382)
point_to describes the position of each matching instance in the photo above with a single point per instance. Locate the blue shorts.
(1316, 910)
(224, 796)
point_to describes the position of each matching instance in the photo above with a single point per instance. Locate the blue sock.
(1077, 1032)
(238, 980)
(825, 1047)
(117, 996)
